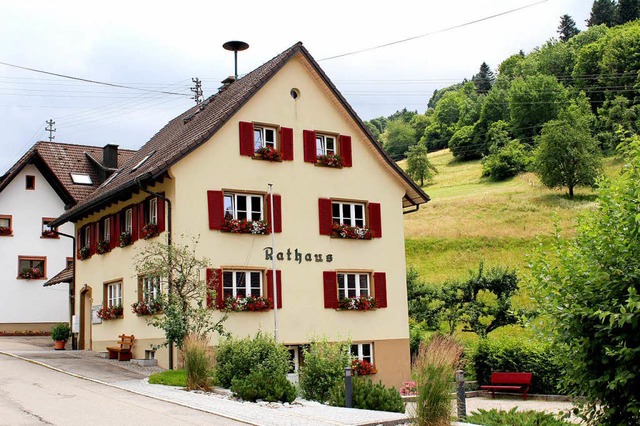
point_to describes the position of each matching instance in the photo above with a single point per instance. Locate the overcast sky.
(160, 46)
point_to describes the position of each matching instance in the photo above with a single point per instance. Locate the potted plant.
(60, 333)
(149, 230)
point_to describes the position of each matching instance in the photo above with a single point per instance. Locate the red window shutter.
(375, 219)
(309, 145)
(215, 200)
(161, 218)
(286, 143)
(277, 212)
(246, 139)
(325, 217)
(114, 231)
(92, 237)
(79, 243)
(278, 284)
(134, 223)
(345, 150)
(143, 210)
(380, 288)
(330, 280)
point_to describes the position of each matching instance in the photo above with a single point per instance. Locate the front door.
(84, 338)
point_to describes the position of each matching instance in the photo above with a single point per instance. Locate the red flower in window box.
(103, 247)
(330, 160)
(84, 253)
(5, 230)
(151, 307)
(362, 367)
(244, 226)
(110, 312)
(125, 239)
(351, 232)
(48, 233)
(30, 273)
(362, 303)
(249, 303)
(269, 153)
(149, 230)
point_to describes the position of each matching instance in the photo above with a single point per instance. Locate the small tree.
(484, 79)
(397, 137)
(185, 310)
(567, 28)
(419, 166)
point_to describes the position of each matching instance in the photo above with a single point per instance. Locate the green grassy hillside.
(470, 218)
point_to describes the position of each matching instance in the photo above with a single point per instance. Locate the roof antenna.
(235, 47)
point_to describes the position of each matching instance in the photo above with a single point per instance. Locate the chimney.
(226, 83)
(110, 156)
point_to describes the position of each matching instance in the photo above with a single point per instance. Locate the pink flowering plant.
(149, 230)
(249, 303)
(269, 153)
(5, 230)
(362, 367)
(351, 232)
(362, 303)
(409, 388)
(30, 273)
(110, 312)
(150, 307)
(244, 226)
(330, 160)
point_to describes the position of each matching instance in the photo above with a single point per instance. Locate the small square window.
(47, 231)
(264, 137)
(325, 145)
(30, 182)
(32, 267)
(6, 223)
(363, 351)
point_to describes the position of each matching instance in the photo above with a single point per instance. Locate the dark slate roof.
(195, 126)
(56, 161)
(64, 276)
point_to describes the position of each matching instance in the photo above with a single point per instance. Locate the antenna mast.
(50, 129)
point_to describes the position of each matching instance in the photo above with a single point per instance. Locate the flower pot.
(59, 345)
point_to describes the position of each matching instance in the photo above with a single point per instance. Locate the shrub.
(197, 363)
(519, 355)
(512, 417)
(324, 365)
(262, 384)
(433, 372)
(237, 358)
(505, 162)
(368, 396)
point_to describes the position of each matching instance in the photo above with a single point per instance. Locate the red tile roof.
(64, 276)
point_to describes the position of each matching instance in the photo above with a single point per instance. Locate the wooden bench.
(122, 352)
(509, 382)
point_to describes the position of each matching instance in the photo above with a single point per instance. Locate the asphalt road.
(34, 395)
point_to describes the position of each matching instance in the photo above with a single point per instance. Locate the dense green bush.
(368, 396)
(512, 417)
(324, 365)
(264, 385)
(518, 355)
(507, 161)
(237, 358)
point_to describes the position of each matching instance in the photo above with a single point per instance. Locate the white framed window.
(106, 229)
(241, 283)
(87, 236)
(243, 206)
(151, 288)
(152, 215)
(264, 137)
(128, 221)
(352, 214)
(353, 285)
(114, 294)
(363, 351)
(325, 144)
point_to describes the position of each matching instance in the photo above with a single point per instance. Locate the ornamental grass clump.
(433, 371)
(197, 363)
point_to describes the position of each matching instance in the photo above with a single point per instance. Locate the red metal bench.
(509, 382)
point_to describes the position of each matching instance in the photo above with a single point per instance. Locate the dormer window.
(81, 179)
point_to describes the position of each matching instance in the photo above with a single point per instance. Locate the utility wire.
(355, 52)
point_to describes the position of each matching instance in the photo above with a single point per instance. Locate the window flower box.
(362, 367)
(330, 160)
(249, 303)
(125, 239)
(30, 273)
(268, 153)
(149, 230)
(103, 247)
(84, 253)
(244, 226)
(5, 230)
(361, 303)
(110, 312)
(48, 233)
(351, 232)
(151, 307)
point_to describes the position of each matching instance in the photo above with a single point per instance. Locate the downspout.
(169, 278)
(72, 289)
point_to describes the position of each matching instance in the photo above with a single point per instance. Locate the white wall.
(27, 301)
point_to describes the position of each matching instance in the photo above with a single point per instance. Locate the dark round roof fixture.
(235, 47)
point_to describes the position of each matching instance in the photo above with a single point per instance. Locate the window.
(241, 283)
(5, 225)
(81, 179)
(30, 183)
(106, 229)
(363, 351)
(264, 137)
(353, 285)
(349, 219)
(141, 162)
(47, 231)
(325, 145)
(351, 214)
(69, 261)
(151, 289)
(128, 221)
(86, 237)
(151, 215)
(243, 206)
(113, 294)
(32, 267)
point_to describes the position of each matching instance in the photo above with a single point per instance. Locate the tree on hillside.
(398, 136)
(484, 79)
(589, 288)
(567, 28)
(567, 154)
(418, 164)
(627, 11)
(602, 12)
(439, 93)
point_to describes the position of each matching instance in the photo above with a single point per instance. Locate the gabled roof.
(64, 276)
(57, 161)
(195, 126)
